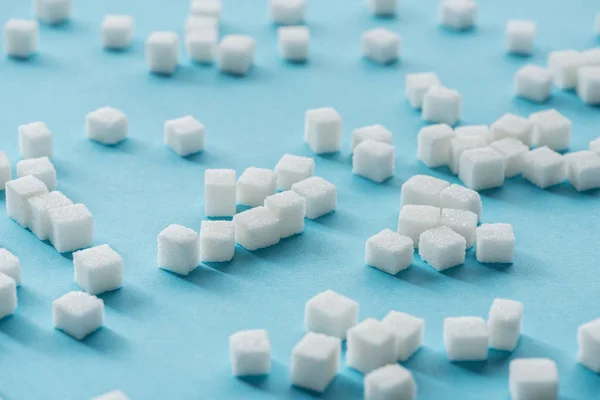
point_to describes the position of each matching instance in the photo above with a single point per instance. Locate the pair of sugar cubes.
(373, 153)
(438, 103)
(10, 278)
(457, 15)
(202, 30)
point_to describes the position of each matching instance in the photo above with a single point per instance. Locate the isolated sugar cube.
(35, 140)
(330, 313)
(457, 14)
(495, 243)
(114, 395)
(433, 145)
(519, 36)
(390, 382)
(552, 129)
(40, 206)
(217, 241)
(320, 195)
(250, 353)
(382, 8)
(21, 37)
(52, 12)
(504, 324)
(461, 198)
(254, 185)
(466, 338)
(18, 191)
(178, 249)
(595, 145)
(98, 269)
(206, 8)
(416, 219)
(468, 131)
(374, 160)
(422, 190)
(323, 130)
(315, 361)
(370, 345)
(533, 83)
(513, 151)
(78, 314)
(293, 43)
(10, 265)
(513, 126)
(482, 168)
(417, 85)
(201, 45)
(533, 378)
(71, 227)
(8, 295)
(185, 135)
(5, 171)
(376, 132)
(460, 144)
(40, 168)
(117, 31)
(544, 167)
(389, 251)
(219, 192)
(441, 105)
(462, 222)
(563, 66)
(408, 331)
(162, 52)
(380, 45)
(291, 169)
(583, 169)
(290, 209)
(588, 339)
(287, 12)
(256, 228)
(588, 84)
(106, 125)
(442, 248)
(236, 54)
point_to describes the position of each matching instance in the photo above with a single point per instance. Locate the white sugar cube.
(291, 169)
(458, 145)
(219, 192)
(254, 185)
(114, 395)
(162, 52)
(544, 167)
(78, 314)
(40, 168)
(519, 36)
(416, 219)
(504, 324)
(40, 206)
(217, 241)
(457, 14)
(513, 126)
(236, 54)
(21, 37)
(590, 57)
(293, 43)
(98, 269)
(178, 249)
(35, 140)
(433, 145)
(10, 265)
(370, 345)
(71, 227)
(588, 84)
(389, 251)
(206, 8)
(513, 151)
(106, 125)
(380, 45)
(250, 353)
(117, 31)
(588, 339)
(374, 160)
(201, 45)
(52, 12)
(442, 248)
(563, 66)
(441, 105)
(533, 378)
(461, 198)
(482, 168)
(330, 313)
(287, 12)
(533, 83)
(197, 24)
(417, 85)
(463, 222)
(595, 145)
(583, 170)
(466, 338)
(320, 195)
(382, 8)
(390, 382)
(423, 190)
(468, 131)
(377, 132)
(8, 295)
(256, 228)
(18, 191)
(185, 135)
(551, 128)
(495, 243)
(290, 209)
(315, 361)
(408, 331)
(323, 130)
(5, 171)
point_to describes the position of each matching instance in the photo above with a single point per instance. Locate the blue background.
(166, 337)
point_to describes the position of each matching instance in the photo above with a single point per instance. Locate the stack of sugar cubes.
(10, 278)
(292, 35)
(201, 32)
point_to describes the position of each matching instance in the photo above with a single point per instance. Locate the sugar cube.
(533, 378)
(250, 352)
(513, 126)
(418, 84)
(374, 160)
(482, 168)
(256, 228)
(389, 251)
(162, 52)
(114, 395)
(588, 84)
(5, 171)
(206, 8)
(595, 145)
(533, 83)
(40, 206)
(551, 128)
(463, 222)
(544, 167)
(519, 36)
(106, 125)
(178, 249)
(78, 314)
(513, 151)
(482, 131)
(423, 190)
(588, 339)
(458, 14)
(293, 43)
(433, 145)
(287, 12)
(98, 269)
(254, 185)
(382, 8)
(40, 168)
(35, 140)
(201, 45)
(10, 265)
(291, 169)
(320, 195)
(563, 65)
(408, 331)
(377, 132)
(236, 54)
(290, 209)
(219, 192)
(217, 241)
(504, 324)
(442, 248)
(71, 227)
(461, 198)
(460, 144)
(495, 243)
(315, 361)
(52, 12)
(390, 382)
(370, 345)
(323, 130)
(380, 45)
(583, 169)
(441, 105)
(117, 31)
(416, 219)
(8, 295)
(184, 135)
(330, 313)
(17, 193)
(20, 37)
(466, 338)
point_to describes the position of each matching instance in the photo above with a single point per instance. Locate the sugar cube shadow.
(107, 342)
(128, 300)
(22, 330)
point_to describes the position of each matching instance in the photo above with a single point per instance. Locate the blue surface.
(165, 336)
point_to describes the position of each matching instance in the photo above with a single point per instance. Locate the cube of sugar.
(17, 193)
(217, 241)
(588, 339)
(184, 135)
(219, 193)
(315, 361)
(544, 167)
(323, 130)
(389, 251)
(441, 105)
(114, 395)
(178, 249)
(236, 54)
(197, 24)
(250, 352)
(290, 209)
(291, 169)
(519, 36)
(588, 84)
(202, 45)
(423, 190)
(320, 195)
(8, 295)
(382, 8)
(595, 145)
(433, 145)
(330, 313)
(460, 144)
(5, 172)
(21, 37)
(482, 168)
(254, 185)
(504, 324)
(293, 43)
(533, 378)
(71, 227)
(468, 131)
(98, 269)
(256, 228)
(583, 170)
(416, 219)
(287, 12)
(380, 45)
(35, 140)
(463, 222)
(466, 338)
(106, 125)
(590, 57)
(52, 12)
(495, 243)
(377, 132)
(374, 160)
(117, 31)
(457, 14)
(78, 314)
(533, 83)
(513, 126)
(40, 206)
(563, 66)
(40, 168)
(408, 331)
(442, 248)
(552, 129)
(206, 8)
(418, 84)
(461, 198)
(390, 382)
(513, 151)
(370, 345)
(162, 52)
(10, 265)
